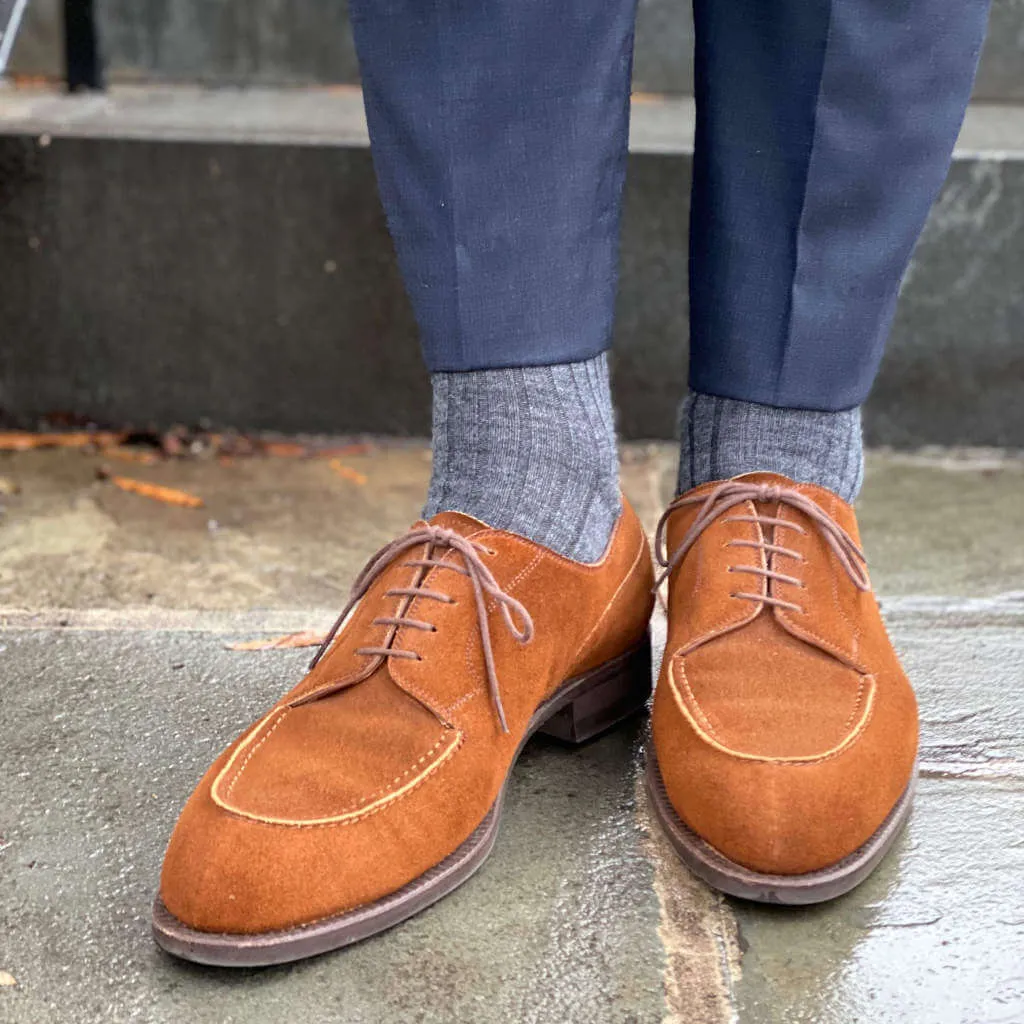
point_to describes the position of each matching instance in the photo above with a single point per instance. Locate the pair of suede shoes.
(781, 758)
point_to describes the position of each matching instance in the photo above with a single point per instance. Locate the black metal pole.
(84, 69)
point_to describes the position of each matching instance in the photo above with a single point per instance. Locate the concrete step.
(306, 42)
(171, 254)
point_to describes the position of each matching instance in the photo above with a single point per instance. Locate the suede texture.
(784, 737)
(334, 802)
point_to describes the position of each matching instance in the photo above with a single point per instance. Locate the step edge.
(333, 116)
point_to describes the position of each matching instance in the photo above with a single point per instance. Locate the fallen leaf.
(345, 449)
(304, 638)
(142, 458)
(27, 440)
(7, 980)
(168, 495)
(8, 487)
(285, 449)
(347, 472)
(18, 442)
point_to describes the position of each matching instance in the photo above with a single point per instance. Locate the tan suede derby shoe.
(784, 732)
(374, 787)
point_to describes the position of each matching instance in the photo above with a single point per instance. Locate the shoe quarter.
(341, 666)
(703, 588)
(579, 612)
(832, 610)
(451, 671)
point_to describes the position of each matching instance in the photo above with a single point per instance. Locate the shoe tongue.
(460, 522)
(764, 477)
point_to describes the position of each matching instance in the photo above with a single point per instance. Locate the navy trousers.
(824, 131)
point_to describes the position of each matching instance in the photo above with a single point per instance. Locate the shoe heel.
(605, 696)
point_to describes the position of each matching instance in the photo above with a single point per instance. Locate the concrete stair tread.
(122, 612)
(334, 115)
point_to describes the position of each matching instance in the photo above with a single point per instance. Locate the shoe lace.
(732, 493)
(517, 619)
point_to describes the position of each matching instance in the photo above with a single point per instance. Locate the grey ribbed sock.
(722, 438)
(529, 449)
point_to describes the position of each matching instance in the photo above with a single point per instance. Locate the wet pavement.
(116, 688)
(937, 933)
(558, 926)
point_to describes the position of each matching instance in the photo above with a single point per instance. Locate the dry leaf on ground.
(347, 472)
(167, 495)
(27, 440)
(286, 449)
(8, 487)
(141, 457)
(304, 638)
(7, 980)
(359, 448)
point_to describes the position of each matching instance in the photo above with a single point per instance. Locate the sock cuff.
(724, 437)
(530, 449)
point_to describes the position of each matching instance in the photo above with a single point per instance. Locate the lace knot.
(768, 493)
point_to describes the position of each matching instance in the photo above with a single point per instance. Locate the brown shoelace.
(735, 492)
(484, 586)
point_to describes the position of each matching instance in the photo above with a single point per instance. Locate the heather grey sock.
(529, 449)
(722, 437)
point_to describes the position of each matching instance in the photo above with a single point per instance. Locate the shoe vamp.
(765, 693)
(336, 756)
